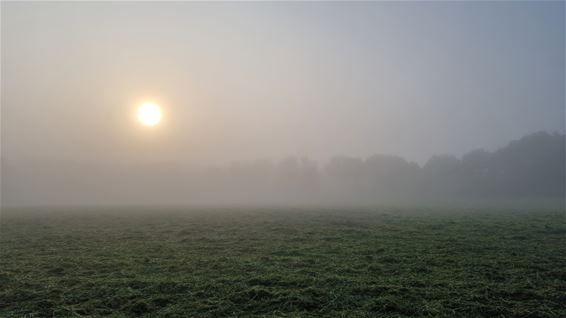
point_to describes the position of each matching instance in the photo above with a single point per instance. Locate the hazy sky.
(268, 80)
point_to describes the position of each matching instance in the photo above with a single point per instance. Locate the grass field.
(283, 263)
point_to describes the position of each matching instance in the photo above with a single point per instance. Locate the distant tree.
(391, 176)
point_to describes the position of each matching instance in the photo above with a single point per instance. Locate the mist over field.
(281, 103)
(529, 168)
(171, 159)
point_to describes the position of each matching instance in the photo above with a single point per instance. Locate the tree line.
(531, 167)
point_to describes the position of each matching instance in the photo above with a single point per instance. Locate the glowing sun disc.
(149, 114)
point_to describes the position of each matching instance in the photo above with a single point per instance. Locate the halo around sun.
(149, 114)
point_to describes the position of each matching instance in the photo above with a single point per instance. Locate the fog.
(281, 103)
(531, 168)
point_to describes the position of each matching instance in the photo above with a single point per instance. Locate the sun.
(149, 114)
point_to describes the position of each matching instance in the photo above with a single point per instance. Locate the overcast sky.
(268, 80)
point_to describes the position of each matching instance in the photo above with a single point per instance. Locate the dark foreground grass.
(283, 263)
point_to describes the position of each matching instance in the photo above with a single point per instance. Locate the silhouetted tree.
(531, 167)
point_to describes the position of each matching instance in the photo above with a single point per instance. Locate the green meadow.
(275, 262)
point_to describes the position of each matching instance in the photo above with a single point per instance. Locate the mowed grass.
(283, 263)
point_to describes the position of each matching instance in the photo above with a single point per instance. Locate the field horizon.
(283, 159)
